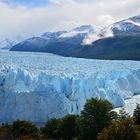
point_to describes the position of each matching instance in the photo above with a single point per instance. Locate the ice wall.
(39, 94)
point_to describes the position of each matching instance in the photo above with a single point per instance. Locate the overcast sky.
(32, 17)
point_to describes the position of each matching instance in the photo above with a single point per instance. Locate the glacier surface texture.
(37, 86)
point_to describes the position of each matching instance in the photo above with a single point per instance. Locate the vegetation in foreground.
(96, 122)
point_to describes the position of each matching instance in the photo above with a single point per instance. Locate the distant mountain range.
(9, 43)
(120, 40)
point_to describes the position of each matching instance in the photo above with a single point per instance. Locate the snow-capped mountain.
(74, 36)
(9, 43)
(100, 34)
(38, 43)
(82, 30)
(127, 27)
(130, 24)
(120, 40)
(52, 35)
(39, 86)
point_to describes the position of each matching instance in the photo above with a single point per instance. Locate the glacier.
(39, 86)
(130, 105)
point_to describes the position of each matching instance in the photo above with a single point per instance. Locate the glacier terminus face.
(39, 86)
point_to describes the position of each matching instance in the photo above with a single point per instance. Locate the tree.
(5, 132)
(52, 129)
(123, 114)
(65, 128)
(69, 128)
(136, 115)
(20, 128)
(119, 130)
(96, 115)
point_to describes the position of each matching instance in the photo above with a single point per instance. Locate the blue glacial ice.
(39, 86)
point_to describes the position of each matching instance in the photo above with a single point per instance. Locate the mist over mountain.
(120, 40)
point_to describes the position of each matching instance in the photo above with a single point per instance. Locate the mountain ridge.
(120, 40)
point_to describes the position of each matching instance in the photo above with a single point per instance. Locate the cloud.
(106, 19)
(26, 21)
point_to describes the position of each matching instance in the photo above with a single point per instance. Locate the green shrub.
(136, 115)
(121, 130)
(20, 128)
(52, 129)
(123, 115)
(69, 127)
(5, 132)
(65, 128)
